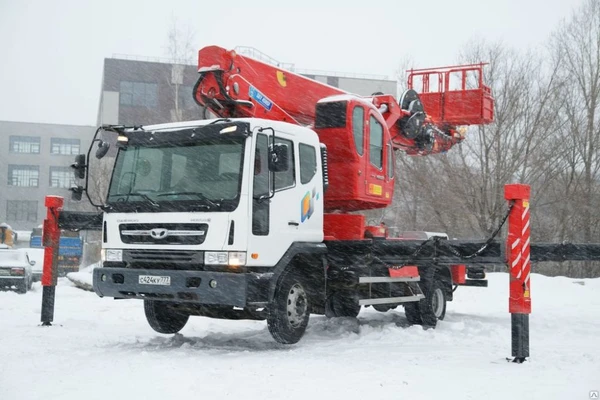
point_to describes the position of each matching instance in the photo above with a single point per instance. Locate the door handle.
(293, 223)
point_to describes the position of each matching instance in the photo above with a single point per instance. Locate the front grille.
(163, 256)
(163, 233)
(164, 259)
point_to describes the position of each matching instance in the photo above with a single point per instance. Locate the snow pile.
(103, 349)
(83, 278)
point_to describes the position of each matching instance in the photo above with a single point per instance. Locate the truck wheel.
(342, 304)
(163, 317)
(438, 300)
(429, 310)
(289, 310)
(413, 313)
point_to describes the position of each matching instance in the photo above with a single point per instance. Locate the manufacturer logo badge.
(159, 233)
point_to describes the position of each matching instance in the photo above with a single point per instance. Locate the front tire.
(289, 310)
(163, 317)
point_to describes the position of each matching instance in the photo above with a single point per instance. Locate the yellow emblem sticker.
(526, 203)
(281, 78)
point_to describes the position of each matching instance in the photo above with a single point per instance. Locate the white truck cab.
(210, 212)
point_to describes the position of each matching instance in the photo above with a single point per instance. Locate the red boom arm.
(361, 174)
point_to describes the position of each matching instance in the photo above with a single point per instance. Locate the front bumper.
(231, 289)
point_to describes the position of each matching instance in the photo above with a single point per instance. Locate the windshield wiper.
(142, 195)
(197, 194)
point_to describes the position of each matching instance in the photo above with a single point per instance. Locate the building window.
(62, 177)
(308, 162)
(23, 175)
(25, 144)
(138, 94)
(64, 146)
(21, 210)
(376, 143)
(186, 98)
(333, 81)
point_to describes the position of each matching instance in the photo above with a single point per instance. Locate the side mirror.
(102, 149)
(278, 158)
(79, 166)
(76, 193)
(32, 263)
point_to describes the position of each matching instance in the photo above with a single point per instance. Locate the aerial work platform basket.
(454, 95)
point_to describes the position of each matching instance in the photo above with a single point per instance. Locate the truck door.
(276, 216)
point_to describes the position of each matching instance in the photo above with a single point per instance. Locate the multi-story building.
(35, 161)
(144, 92)
(137, 90)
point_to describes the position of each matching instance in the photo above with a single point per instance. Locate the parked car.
(15, 269)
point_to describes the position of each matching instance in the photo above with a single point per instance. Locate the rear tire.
(432, 308)
(413, 313)
(163, 317)
(289, 309)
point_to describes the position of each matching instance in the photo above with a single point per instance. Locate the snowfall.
(103, 349)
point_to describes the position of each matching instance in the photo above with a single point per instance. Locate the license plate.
(155, 280)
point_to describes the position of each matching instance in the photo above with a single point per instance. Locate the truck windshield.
(202, 176)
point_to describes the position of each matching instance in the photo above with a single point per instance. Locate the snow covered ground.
(104, 349)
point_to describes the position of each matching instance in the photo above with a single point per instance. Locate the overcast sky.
(52, 51)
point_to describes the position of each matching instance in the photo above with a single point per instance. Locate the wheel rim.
(296, 305)
(437, 302)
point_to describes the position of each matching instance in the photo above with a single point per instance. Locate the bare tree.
(576, 50)
(462, 192)
(181, 51)
(517, 147)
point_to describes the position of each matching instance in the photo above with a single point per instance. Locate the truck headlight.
(233, 258)
(237, 258)
(112, 255)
